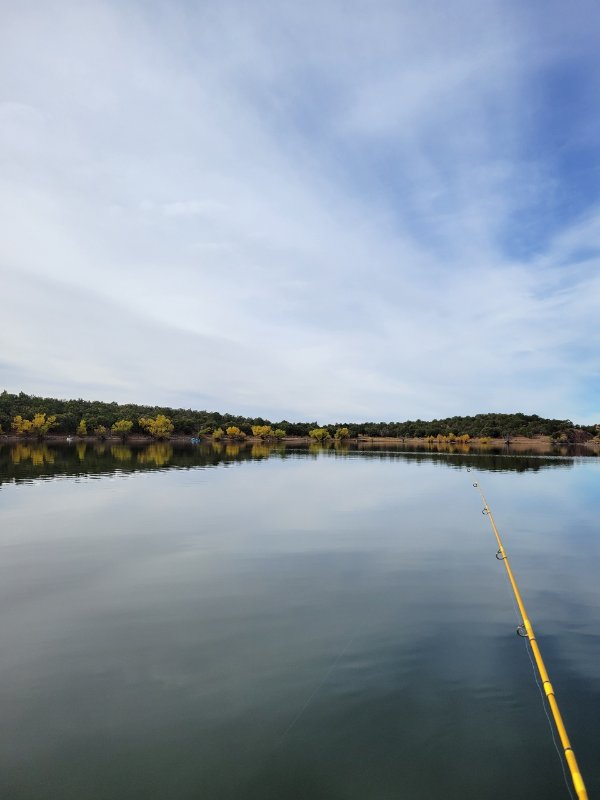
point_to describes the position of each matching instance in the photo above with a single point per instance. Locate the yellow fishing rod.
(526, 631)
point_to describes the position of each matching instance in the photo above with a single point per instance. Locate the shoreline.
(516, 444)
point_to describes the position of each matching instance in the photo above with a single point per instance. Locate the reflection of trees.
(158, 454)
(341, 445)
(449, 447)
(120, 452)
(260, 451)
(25, 460)
(38, 454)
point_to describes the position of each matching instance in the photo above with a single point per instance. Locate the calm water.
(201, 623)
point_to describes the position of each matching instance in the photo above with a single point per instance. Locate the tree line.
(88, 417)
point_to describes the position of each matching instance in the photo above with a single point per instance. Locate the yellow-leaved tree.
(38, 426)
(319, 434)
(262, 431)
(82, 428)
(235, 433)
(342, 433)
(159, 428)
(122, 428)
(21, 426)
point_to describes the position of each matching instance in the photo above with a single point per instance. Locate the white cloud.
(293, 213)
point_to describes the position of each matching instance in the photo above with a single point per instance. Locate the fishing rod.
(526, 631)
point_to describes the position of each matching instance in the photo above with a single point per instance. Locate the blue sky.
(332, 211)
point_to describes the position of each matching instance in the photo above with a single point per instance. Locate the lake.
(246, 622)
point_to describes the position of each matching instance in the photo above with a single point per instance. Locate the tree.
(82, 428)
(159, 428)
(279, 433)
(41, 424)
(262, 431)
(218, 434)
(38, 426)
(122, 428)
(235, 433)
(100, 432)
(342, 433)
(319, 434)
(21, 426)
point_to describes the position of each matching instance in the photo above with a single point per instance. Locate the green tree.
(279, 433)
(342, 433)
(319, 434)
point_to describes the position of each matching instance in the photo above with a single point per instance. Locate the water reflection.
(120, 452)
(260, 451)
(40, 460)
(37, 454)
(156, 455)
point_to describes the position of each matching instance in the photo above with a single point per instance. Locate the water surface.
(247, 623)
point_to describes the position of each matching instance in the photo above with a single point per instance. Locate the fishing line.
(525, 630)
(317, 688)
(561, 757)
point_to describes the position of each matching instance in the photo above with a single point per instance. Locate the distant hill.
(189, 421)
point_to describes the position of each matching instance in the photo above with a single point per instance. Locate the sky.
(332, 211)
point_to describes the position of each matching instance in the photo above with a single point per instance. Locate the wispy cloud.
(313, 211)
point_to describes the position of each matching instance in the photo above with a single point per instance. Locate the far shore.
(516, 444)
